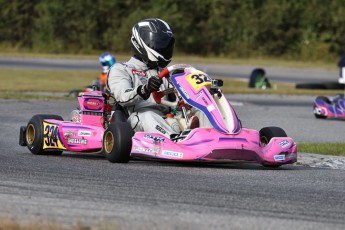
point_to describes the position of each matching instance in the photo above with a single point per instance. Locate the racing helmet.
(153, 42)
(106, 59)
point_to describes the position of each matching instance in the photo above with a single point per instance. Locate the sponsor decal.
(284, 144)
(68, 134)
(184, 92)
(128, 90)
(160, 129)
(199, 95)
(172, 154)
(76, 141)
(154, 138)
(146, 150)
(204, 100)
(279, 158)
(138, 72)
(83, 133)
(210, 108)
(51, 139)
(93, 104)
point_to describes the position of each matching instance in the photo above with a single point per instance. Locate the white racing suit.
(125, 81)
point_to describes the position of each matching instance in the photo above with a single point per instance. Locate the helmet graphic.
(153, 42)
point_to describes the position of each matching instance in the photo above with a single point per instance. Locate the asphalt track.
(160, 195)
(88, 189)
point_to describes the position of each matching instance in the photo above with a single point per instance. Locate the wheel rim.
(109, 142)
(263, 140)
(30, 134)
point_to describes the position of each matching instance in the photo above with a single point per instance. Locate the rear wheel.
(266, 134)
(117, 142)
(34, 135)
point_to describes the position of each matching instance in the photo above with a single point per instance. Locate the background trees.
(304, 29)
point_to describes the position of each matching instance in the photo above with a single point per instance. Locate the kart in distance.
(330, 107)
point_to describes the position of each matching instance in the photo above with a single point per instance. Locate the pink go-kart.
(224, 139)
(102, 128)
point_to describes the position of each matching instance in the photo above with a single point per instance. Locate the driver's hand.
(154, 84)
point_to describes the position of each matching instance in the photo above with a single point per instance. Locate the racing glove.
(152, 85)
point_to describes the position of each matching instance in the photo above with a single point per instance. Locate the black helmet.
(153, 42)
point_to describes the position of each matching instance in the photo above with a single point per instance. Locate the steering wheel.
(157, 96)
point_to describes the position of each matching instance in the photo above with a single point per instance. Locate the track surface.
(160, 195)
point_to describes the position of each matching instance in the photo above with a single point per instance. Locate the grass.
(44, 80)
(335, 149)
(11, 224)
(236, 86)
(17, 81)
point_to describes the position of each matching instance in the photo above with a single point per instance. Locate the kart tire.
(320, 116)
(117, 142)
(256, 73)
(34, 135)
(310, 86)
(266, 134)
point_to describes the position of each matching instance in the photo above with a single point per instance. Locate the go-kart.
(225, 139)
(102, 127)
(330, 107)
(92, 129)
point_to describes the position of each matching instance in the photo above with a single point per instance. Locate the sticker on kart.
(51, 137)
(198, 79)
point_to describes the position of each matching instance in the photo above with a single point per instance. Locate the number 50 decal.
(198, 79)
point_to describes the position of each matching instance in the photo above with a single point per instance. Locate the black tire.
(319, 116)
(266, 134)
(117, 142)
(258, 72)
(34, 135)
(310, 86)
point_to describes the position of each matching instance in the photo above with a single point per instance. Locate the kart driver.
(132, 82)
(107, 60)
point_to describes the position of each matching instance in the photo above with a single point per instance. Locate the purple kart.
(330, 107)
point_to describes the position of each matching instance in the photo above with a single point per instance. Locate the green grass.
(44, 80)
(237, 86)
(36, 224)
(15, 82)
(335, 149)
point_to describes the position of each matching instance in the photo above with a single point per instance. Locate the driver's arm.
(121, 85)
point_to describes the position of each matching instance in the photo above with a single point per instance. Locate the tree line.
(298, 29)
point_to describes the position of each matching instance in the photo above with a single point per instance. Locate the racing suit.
(125, 81)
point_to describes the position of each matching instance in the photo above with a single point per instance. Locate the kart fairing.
(207, 144)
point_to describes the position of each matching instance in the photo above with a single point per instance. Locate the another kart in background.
(330, 107)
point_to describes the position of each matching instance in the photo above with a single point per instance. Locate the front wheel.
(117, 142)
(34, 135)
(266, 134)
